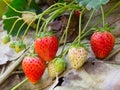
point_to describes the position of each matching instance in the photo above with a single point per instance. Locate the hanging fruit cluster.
(46, 44)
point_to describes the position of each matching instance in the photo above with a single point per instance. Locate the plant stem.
(20, 29)
(87, 32)
(53, 16)
(111, 10)
(80, 26)
(108, 13)
(41, 27)
(65, 52)
(38, 23)
(29, 2)
(18, 85)
(6, 18)
(50, 9)
(103, 16)
(66, 31)
(28, 28)
(88, 21)
(14, 25)
(15, 9)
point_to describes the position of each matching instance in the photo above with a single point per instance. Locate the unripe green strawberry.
(6, 39)
(56, 67)
(77, 56)
(12, 45)
(19, 46)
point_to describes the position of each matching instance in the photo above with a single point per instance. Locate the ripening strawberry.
(33, 68)
(102, 42)
(77, 56)
(77, 13)
(56, 67)
(6, 39)
(46, 47)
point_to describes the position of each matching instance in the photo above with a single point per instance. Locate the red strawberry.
(102, 43)
(77, 13)
(33, 68)
(46, 47)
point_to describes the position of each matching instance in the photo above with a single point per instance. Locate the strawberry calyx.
(76, 45)
(32, 54)
(42, 34)
(105, 28)
(19, 46)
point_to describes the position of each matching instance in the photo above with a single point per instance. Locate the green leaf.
(18, 5)
(89, 4)
(3, 7)
(32, 5)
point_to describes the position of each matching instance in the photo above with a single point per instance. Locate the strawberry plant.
(24, 16)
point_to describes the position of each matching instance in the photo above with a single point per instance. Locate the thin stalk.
(65, 52)
(43, 24)
(28, 28)
(103, 16)
(43, 19)
(83, 35)
(108, 13)
(29, 2)
(111, 10)
(50, 8)
(87, 32)
(18, 85)
(20, 29)
(51, 11)
(88, 21)
(80, 26)
(15, 9)
(56, 13)
(6, 18)
(14, 25)
(66, 31)
(38, 23)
